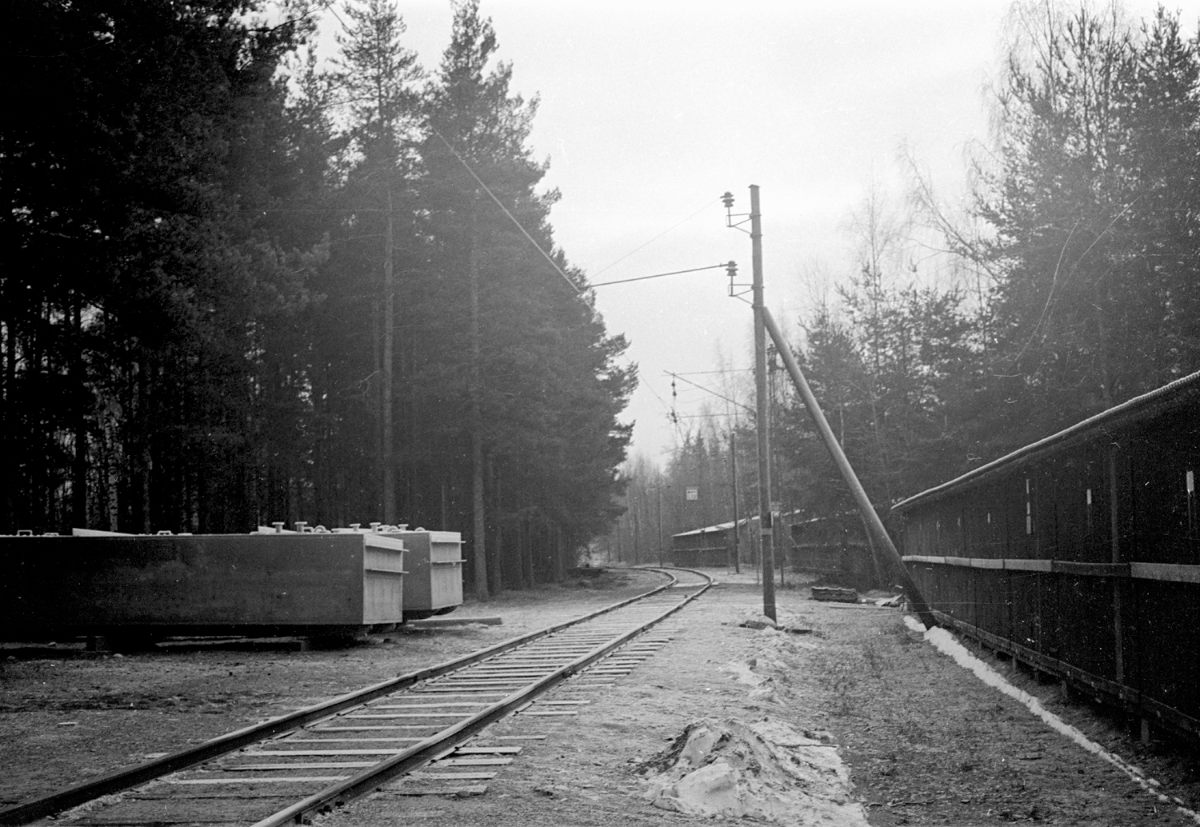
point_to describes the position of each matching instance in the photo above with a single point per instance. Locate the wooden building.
(835, 548)
(1080, 554)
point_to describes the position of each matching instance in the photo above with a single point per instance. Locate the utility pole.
(737, 565)
(763, 323)
(637, 557)
(766, 518)
(660, 534)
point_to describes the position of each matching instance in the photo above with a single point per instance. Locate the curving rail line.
(325, 755)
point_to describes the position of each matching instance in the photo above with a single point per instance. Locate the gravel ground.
(923, 741)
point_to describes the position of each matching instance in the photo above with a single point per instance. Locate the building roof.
(1134, 411)
(713, 529)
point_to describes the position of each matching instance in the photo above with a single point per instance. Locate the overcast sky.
(651, 109)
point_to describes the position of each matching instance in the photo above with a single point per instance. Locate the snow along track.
(948, 645)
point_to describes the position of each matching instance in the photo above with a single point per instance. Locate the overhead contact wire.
(707, 205)
(660, 275)
(505, 210)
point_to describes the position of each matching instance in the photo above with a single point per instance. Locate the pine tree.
(526, 380)
(475, 151)
(1094, 213)
(132, 262)
(380, 75)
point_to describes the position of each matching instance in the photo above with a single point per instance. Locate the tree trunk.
(79, 470)
(496, 566)
(387, 448)
(477, 461)
(8, 518)
(527, 551)
(560, 563)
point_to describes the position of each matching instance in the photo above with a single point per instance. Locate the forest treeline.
(240, 285)
(1069, 283)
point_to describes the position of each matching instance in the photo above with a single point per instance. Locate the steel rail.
(422, 753)
(124, 779)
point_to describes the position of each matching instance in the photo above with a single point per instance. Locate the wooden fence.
(1080, 555)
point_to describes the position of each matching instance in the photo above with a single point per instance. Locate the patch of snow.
(948, 645)
(744, 673)
(765, 771)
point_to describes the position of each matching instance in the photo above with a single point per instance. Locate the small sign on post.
(693, 493)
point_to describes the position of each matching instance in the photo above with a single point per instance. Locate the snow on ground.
(947, 644)
(763, 771)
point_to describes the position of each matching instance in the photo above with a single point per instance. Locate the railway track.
(287, 769)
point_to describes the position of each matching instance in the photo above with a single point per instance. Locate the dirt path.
(922, 740)
(925, 741)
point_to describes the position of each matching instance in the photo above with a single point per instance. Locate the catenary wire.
(504, 209)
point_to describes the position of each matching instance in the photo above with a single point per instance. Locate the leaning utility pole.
(878, 534)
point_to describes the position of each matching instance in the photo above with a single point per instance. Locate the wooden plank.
(369, 728)
(1027, 564)
(321, 765)
(488, 750)
(442, 622)
(431, 705)
(244, 791)
(519, 737)
(1086, 569)
(476, 683)
(1169, 572)
(834, 594)
(1010, 563)
(408, 716)
(278, 753)
(309, 779)
(186, 809)
(358, 740)
(463, 791)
